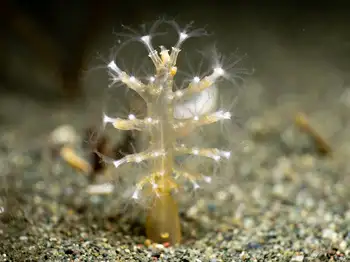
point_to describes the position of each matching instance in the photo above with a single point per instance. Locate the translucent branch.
(174, 54)
(138, 157)
(139, 187)
(192, 177)
(130, 81)
(176, 49)
(197, 85)
(157, 61)
(212, 153)
(130, 124)
(183, 125)
(183, 35)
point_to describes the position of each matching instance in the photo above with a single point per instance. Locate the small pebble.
(64, 135)
(222, 195)
(148, 242)
(23, 238)
(329, 234)
(297, 258)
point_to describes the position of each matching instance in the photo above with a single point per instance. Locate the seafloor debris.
(64, 139)
(302, 122)
(63, 135)
(72, 158)
(62, 143)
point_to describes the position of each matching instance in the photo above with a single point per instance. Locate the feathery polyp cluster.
(165, 130)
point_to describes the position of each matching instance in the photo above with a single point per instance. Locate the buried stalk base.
(163, 222)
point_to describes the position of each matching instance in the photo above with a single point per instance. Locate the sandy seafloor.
(276, 199)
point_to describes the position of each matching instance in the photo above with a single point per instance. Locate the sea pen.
(165, 131)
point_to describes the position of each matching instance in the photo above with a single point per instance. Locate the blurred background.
(50, 52)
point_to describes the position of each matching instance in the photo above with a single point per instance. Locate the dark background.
(48, 47)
